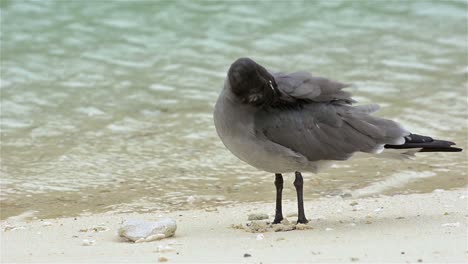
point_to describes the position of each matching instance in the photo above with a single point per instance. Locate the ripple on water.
(394, 181)
(11, 124)
(90, 111)
(161, 87)
(127, 125)
(411, 65)
(110, 105)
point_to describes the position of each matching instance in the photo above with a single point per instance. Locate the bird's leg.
(279, 192)
(298, 183)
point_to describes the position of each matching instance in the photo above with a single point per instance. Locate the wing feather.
(324, 131)
(314, 117)
(304, 86)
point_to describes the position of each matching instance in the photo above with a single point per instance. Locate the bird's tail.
(425, 144)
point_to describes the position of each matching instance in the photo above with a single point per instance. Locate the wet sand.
(404, 228)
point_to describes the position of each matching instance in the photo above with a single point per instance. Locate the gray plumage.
(281, 123)
(297, 121)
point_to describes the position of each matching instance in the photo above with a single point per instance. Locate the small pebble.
(247, 255)
(100, 228)
(257, 217)
(163, 248)
(457, 224)
(346, 195)
(378, 209)
(358, 208)
(88, 242)
(353, 203)
(162, 259)
(354, 259)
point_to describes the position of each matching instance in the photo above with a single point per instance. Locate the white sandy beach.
(404, 228)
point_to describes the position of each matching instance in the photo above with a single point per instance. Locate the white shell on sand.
(88, 242)
(451, 224)
(145, 231)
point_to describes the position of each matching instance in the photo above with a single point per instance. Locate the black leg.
(298, 183)
(279, 192)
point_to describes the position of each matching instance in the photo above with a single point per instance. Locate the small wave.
(396, 180)
(161, 87)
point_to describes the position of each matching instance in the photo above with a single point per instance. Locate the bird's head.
(251, 83)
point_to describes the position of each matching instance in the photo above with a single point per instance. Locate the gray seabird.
(296, 122)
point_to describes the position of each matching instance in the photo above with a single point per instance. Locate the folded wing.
(314, 117)
(299, 86)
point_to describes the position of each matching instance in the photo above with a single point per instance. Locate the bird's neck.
(232, 117)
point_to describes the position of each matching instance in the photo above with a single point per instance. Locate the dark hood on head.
(251, 82)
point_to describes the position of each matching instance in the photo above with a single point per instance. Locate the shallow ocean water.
(108, 105)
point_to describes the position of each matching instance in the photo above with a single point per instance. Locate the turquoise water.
(107, 105)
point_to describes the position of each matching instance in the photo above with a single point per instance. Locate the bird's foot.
(277, 220)
(302, 220)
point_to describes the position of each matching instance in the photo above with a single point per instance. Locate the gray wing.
(325, 126)
(304, 86)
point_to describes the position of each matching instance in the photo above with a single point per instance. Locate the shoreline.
(411, 228)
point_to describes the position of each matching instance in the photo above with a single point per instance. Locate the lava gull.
(297, 122)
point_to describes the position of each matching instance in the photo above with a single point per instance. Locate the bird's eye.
(272, 87)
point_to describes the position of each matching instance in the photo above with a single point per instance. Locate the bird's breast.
(236, 128)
